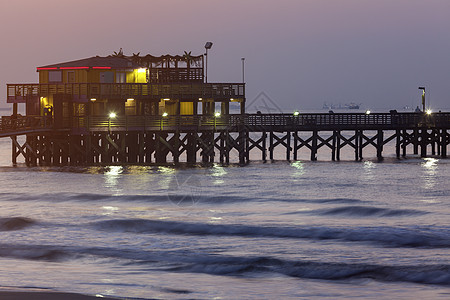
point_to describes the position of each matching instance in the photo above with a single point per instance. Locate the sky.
(298, 53)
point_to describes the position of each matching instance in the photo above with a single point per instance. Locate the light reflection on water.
(111, 177)
(430, 168)
(299, 169)
(218, 172)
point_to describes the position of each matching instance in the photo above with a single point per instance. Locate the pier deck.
(157, 139)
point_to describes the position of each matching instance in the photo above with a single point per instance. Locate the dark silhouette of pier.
(90, 140)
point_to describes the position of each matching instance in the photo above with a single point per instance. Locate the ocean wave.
(369, 211)
(33, 252)
(186, 261)
(323, 201)
(173, 196)
(15, 223)
(387, 236)
(238, 266)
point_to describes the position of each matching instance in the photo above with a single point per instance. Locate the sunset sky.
(301, 53)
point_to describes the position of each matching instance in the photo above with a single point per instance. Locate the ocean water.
(279, 230)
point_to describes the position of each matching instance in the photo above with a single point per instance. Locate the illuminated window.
(121, 77)
(130, 107)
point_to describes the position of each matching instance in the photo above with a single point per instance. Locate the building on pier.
(137, 85)
(145, 109)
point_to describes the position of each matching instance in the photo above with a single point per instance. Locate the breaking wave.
(387, 236)
(15, 223)
(368, 211)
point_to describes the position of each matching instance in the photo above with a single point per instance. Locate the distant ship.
(350, 105)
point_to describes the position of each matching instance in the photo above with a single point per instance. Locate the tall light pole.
(243, 64)
(208, 46)
(423, 97)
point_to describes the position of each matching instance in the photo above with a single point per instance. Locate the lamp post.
(112, 115)
(164, 115)
(216, 115)
(423, 97)
(243, 64)
(208, 46)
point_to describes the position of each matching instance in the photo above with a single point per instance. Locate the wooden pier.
(92, 140)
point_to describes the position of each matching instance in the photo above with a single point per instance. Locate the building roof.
(109, 62)
(120, 61)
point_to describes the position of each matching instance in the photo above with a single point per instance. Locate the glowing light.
(112, 115)
(296, 113)
(166, 99)
(73, 68)
(42, 69)
(231, 99)
(130, 99)
(367, 112)
(165, 114)
(217, 114)
(142, 70)
(429, 111)
(200, 99)
(93, 99)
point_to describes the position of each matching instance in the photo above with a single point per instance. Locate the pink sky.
(300, 53)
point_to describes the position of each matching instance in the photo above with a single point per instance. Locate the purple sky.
(301, 53)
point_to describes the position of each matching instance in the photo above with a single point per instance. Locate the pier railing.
(152, 91)
(253, 122)
(267, 122)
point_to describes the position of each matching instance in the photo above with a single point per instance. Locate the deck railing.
(262, 122)
(153, 91)
(254, 122)
(20, 123)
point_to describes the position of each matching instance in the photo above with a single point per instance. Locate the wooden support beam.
(379, 145)
(314, 146)
(444, 142)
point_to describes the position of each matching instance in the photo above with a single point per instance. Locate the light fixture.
(296, 113)
(429, 111)
(112, 115)
(217, 114)
(165, 114)
(367, 112)
(130, 99)
(423, 97)
(208, 45)
(93, 99)
(200, 99)
(166, 99)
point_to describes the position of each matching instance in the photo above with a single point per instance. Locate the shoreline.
(25, 294)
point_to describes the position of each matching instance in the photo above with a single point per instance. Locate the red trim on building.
(41, 69)
(102, 68)
(73, 68)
